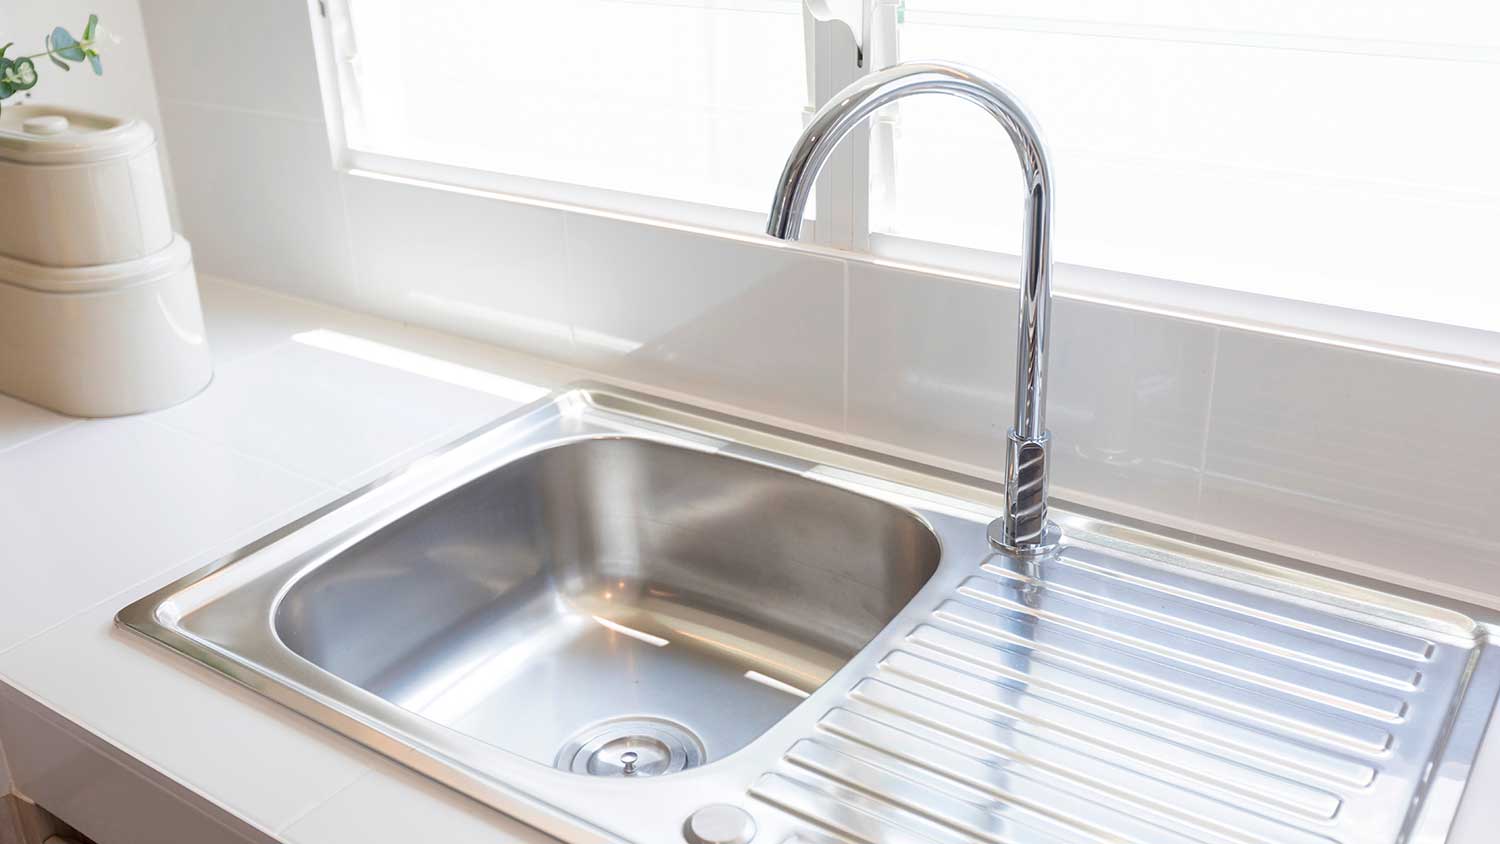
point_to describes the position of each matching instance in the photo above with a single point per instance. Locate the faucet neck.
(1024, 528)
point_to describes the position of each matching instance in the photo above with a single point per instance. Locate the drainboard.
(607, 611)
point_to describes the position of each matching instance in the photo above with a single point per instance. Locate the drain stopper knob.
(719, 823)
(628, 759)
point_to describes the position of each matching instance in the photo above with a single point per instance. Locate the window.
(1323, 151)
(688, 100)
(1346, 153)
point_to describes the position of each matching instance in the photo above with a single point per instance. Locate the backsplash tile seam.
(570, 275)
(844, 369)
(356, 281)
(254, 112)
(1208, 419)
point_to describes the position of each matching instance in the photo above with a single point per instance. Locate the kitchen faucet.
(1024, 529)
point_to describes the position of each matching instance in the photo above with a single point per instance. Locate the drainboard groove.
(1341, 728)
(1124, 722)
(1184, 773)
(1004, 774)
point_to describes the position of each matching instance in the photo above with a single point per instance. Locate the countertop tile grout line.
(230, 448)
(258, 529)
(73, 421)
(363, 775)
(235, 360)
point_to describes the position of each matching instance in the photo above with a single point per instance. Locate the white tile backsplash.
(931, 365)
(755, 325)
(1129, 407)
(255, 56)
(260, 199)
(1175, 418)
(491, 270)
(1361, 456)
(242, 319)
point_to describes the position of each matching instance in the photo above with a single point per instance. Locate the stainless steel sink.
(607, 611)
(609, 596)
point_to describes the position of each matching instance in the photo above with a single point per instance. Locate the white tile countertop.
(308, 401)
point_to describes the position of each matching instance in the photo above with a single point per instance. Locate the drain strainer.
(631, 747)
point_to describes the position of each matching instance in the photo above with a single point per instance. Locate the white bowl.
(80, 189)
(103, 341)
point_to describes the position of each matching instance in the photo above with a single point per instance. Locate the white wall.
(1357, 458)
(126, 89)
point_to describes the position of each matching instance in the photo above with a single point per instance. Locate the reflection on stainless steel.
(600, 616)
(601, 578)
(1024, 527)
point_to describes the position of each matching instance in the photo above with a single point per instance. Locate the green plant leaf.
(6, 88)
(23, 75)
(98, 66)
(7, 46)
(88, 31)
(63, 44)
(53, 56)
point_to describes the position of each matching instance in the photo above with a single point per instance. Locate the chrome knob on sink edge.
(719, 823)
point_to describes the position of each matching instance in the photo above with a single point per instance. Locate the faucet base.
(1025, 529)
(1047, 543)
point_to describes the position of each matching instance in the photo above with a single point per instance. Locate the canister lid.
(43, 134)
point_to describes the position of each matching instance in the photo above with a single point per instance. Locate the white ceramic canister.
(80, 189)
(103, 341)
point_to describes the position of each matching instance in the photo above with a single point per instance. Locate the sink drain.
(631, 747)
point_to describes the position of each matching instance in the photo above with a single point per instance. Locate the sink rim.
(946, 502)
(438, 752)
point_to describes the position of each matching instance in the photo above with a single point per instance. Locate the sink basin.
(611, 582)
(608, 611)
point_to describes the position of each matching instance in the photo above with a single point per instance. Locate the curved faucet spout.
(1024, 529)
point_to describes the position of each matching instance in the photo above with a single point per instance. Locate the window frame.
(1405, 337)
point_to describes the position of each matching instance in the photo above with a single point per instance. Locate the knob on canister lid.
(45, 124)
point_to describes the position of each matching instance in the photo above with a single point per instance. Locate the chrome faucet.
(1024, 529)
